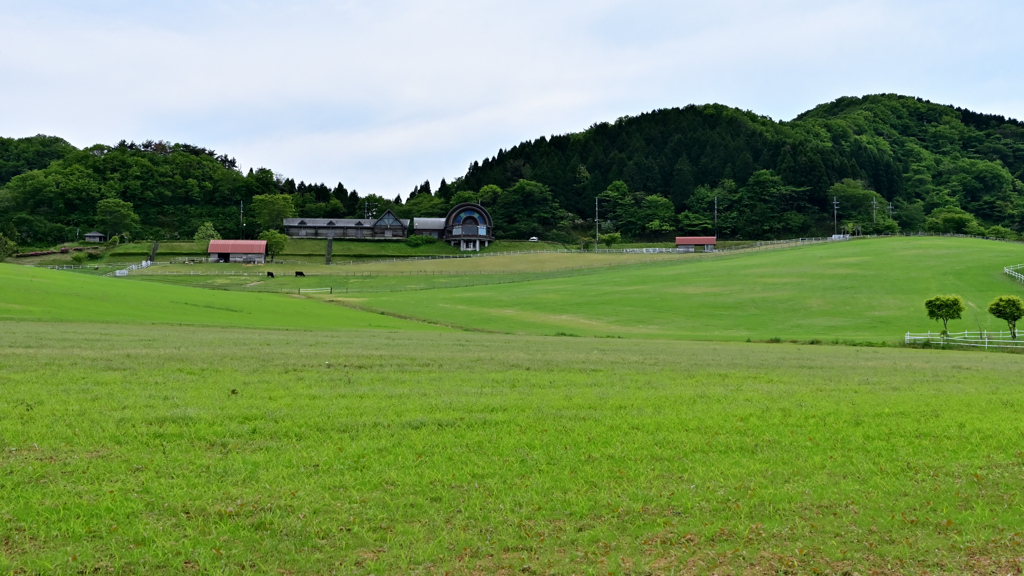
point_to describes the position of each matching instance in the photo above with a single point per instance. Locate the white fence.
(201, 260)
(83, 266)
(977, 339)
(124, 272)
(1011, 271)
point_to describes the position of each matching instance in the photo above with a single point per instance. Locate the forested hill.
(932, 167)
(928, 159)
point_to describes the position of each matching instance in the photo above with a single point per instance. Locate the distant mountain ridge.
(849, 163)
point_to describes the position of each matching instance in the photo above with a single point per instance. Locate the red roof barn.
(687, 243)
(246, 251)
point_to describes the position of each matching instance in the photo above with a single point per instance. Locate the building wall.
(693, 247)
(246, 258)
(365, 232)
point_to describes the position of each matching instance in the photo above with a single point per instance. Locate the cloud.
(382, 95)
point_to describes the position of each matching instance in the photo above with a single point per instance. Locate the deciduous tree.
(610, 239)
(272, 209)
(276, 242)
(7, 247)
(206, 233)
(524, 210)
(117, 216)
(944, 309)
(1009, 309)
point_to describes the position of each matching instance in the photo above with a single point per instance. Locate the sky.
(382, 95)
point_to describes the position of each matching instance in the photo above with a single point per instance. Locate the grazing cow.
(297, 274)
(270, 274)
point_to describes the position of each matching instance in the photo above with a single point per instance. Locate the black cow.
(297, 274)
(270, 274)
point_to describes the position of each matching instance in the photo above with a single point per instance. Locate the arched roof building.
(468, 226)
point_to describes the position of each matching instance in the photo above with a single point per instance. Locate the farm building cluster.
(467, 226)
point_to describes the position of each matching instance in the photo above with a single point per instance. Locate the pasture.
(392, 275)
(162, 449)
(410, 274)
(33, 294)
(850, 291)
(157, 429)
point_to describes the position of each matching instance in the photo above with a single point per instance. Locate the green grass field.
(403, 275)
(391, 275)
(862, 290)
(125, 448)
(38, 294)
(157, 429)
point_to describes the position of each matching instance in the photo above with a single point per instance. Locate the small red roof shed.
(238, 247)
(696, 240)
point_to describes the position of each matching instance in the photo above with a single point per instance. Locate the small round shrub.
(417, 241)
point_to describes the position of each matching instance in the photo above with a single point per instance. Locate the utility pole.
(716, 217)
(890, 210)
(241, 216)
(835, 215)
(597, 224)
(874, 210)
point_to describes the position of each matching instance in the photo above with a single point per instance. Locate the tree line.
(877, 164)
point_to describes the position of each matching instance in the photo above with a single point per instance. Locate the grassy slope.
(868, 289)
(391, 276)
(310, 248)
(122, 449)
(38, 294)
(490, 265)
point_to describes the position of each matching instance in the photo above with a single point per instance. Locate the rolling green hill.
(39, 294)
(860, 290)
